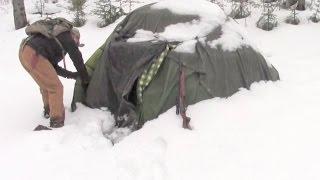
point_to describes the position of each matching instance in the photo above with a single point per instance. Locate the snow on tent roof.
(210, 18)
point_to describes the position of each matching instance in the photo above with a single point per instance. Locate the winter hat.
(76, 32)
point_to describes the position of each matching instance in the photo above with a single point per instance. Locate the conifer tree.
(316, 11)
(293, 19)
(107, 12)
(240, 9)
(218, 2)
(127, 3)
(268, 20)
(77, 7)
(40, 7)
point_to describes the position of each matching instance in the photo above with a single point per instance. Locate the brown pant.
(46, 77)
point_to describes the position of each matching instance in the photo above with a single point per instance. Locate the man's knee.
(56, 88)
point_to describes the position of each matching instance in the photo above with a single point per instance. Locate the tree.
(240, 9)
(268, 20)
(301, 4)
(316, 11)
(77, 6)
(40, 7)
(293, 19)
(19, 14)
(107, 12)
(218, 2)
(128, 3)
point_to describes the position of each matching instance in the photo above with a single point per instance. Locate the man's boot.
(46, 112)
(56, 122)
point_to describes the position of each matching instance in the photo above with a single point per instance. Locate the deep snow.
(268, 132)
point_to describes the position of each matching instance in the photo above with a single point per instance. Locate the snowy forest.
(160, 90)
(108, 11)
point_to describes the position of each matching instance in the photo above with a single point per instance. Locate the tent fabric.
(148, 74)
(210, 72)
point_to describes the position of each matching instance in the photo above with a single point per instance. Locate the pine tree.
(4, 2)
(268, 20)
(240, 9)
(128, 3)
(77, 7)
(301, 4)
(218, 2)
(316, 11)
(107, 12)
(40, 6)
(293, 19)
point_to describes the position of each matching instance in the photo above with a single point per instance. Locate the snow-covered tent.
(135, 73)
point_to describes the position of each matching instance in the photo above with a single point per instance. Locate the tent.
(135, 73)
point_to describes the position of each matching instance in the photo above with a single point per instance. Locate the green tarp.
(210, 72)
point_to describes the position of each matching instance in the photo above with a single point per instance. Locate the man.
(40, 56)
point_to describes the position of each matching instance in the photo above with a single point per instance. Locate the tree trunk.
(19, 14)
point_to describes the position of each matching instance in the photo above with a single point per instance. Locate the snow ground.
(268, 132)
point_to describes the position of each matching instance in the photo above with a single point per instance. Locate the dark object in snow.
(41, 128)
(117, 67)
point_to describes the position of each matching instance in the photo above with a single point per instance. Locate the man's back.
(49, 48)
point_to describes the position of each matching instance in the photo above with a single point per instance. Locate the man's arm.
(65, 73)
(75, 55)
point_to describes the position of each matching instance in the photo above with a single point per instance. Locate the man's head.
(76, 36)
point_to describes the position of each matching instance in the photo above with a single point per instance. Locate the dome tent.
(160, 38)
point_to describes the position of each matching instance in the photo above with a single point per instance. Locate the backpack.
(50, 28)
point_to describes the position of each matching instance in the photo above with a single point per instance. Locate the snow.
(268, 132)
(186, 47)
(211, 16)
(142, 35)
(187, 31)
(231, 38)
(47, 8)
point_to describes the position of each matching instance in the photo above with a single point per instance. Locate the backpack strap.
(63, 51)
